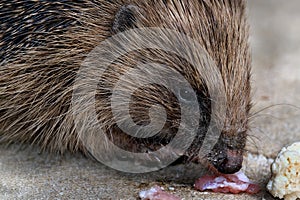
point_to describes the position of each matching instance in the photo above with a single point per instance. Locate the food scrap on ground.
(157, 193)
(227, 183)
(285, 180)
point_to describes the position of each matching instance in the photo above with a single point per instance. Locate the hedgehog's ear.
(125, 18)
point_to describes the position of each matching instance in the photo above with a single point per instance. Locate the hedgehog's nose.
(229, 162)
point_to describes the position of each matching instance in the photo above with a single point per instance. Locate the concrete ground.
(25, 173)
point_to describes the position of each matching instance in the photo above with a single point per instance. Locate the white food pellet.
(285, 180)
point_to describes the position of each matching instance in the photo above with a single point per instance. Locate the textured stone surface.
(28, 174)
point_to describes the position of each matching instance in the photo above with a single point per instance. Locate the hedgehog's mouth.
(220, 159)
(225, 162)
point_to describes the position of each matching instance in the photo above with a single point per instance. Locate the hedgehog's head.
(220, 28)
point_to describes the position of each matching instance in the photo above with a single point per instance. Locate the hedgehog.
(42, 47)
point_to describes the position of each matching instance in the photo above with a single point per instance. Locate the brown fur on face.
(41, 55)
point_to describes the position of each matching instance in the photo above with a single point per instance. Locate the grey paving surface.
(25, 173)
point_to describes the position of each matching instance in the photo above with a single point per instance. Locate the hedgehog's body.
(43, 43)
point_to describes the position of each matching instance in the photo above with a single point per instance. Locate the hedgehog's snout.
(230, 162)
(226, 160)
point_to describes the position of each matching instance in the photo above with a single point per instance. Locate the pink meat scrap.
(227, 183)
(156, 193)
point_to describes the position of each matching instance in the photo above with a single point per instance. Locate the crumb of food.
(285, 180)
(157, 193)
(227, 183)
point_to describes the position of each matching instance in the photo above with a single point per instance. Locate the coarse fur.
(43, 43)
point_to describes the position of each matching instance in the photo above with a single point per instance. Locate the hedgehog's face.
(221, 29)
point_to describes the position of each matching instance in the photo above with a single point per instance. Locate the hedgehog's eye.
(125, 19)
(187, 95)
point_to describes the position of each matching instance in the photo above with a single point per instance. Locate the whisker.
(272, 106)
